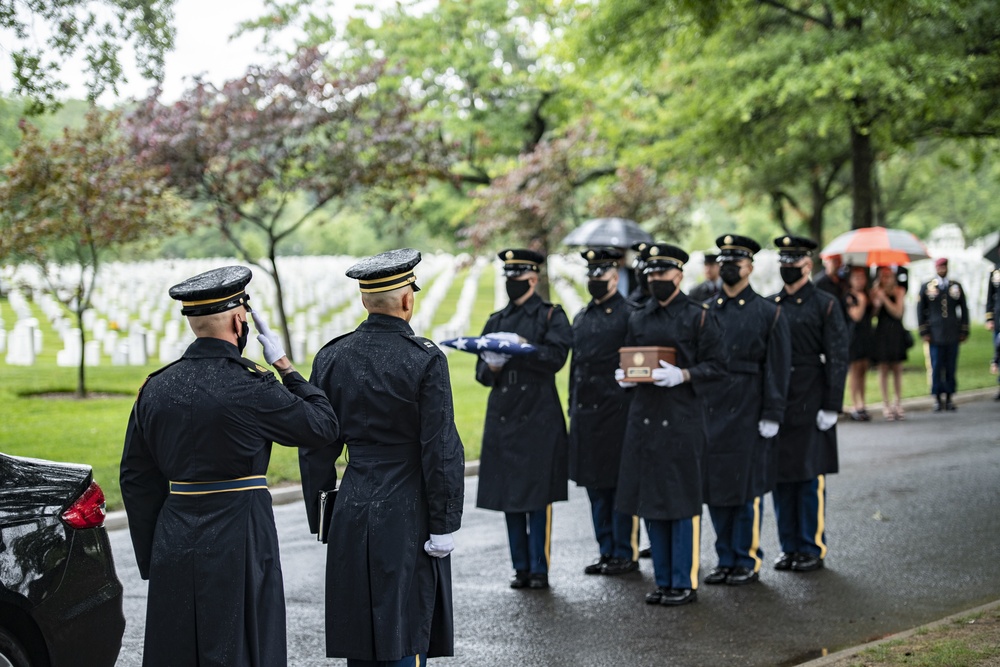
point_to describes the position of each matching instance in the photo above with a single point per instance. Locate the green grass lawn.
(91, 431)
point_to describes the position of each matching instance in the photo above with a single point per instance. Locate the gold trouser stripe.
(695, 550)
(548, 534)
(416, 661)
(755, 535)
(633, 539)
(821, 514)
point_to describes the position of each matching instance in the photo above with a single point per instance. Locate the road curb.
(827, 660)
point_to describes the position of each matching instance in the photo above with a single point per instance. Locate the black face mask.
(598, 288)
(241, 340)
(517, 288)
(790, 274)
(730, 273)
(662, 289)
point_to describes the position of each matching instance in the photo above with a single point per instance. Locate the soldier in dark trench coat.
(196, 450)
(807, 441)
(660, 477)
(597, 409)
(744, 411)
(388, 573)
(523, 464)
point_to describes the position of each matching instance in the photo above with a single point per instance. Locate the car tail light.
(88, 510)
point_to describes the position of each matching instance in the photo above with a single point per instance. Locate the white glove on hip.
(825, 419)
(270, 341)
(767, 428)
(620, 379)
(439, 546)
(494, 358)
(667, 375)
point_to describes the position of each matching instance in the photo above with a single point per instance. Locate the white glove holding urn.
(620, 379)
(439, 546)
(667, 375)
(767, 428)
(270, 341)
(825, 419)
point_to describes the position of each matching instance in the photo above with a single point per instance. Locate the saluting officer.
(193, 482)
(388, 574)
(523, 463)
(807, 442)
(744, 411)
(943, 320)
(661, 477)
(992, 315)
(598, 407)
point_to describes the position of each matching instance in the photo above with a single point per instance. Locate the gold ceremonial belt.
(202, 488)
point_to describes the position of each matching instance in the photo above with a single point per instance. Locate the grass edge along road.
(92, 431)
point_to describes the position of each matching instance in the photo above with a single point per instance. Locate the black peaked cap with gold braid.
(600, 260)
(662, 256)
(518, 260)
(386, 271)
(214, 291)
(793, 248)
(733, 247)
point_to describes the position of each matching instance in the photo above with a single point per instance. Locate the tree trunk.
(279, 297)
(817, 216)
(862, 161)
(81, 382)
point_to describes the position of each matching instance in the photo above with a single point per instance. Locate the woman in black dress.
(859, 316)
(890, 338)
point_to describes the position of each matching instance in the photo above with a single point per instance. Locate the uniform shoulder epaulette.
(254, 367)
(424, 344)
(334, 340)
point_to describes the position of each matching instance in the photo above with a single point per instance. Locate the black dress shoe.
(938, 403)
(948, 405)
(645, 553)
(617, 566)
(784, 561)
(806, 563)
(678, 596)
(520, 579)
(598, 566)
(538, 581)
(718, 575)
(657, 595)
(743, 575)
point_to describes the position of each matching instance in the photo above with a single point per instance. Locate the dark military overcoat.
(215, 586)
(523, 463)
(597, 405)
(660, 476)
(993, 299)
(758, 352)
(819, 370)
(385, 597)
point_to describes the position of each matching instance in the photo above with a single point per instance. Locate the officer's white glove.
(825, 419)
(667, 375)
(505, 335)
(494, 358)
(767, 428)
(439, 546)
(270, 341)
(620, 379)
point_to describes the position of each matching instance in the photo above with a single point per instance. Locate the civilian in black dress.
(890, 338)
(859, 319)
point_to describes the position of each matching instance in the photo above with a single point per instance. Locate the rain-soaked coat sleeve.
(777, 368)
(287, 420)
(835, 351)
(144, 488)
(442, 454)
(554, 346)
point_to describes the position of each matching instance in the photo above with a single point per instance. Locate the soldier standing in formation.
(744, 410)
(388, 579)
(992, 314)
(712, 284)
(523, 463)
(661, 477)
(597, 408)
(197, 447)
(943, 319)
(807, 442)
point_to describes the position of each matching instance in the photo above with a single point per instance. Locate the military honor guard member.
(523, 466)
(388, 570)
(193, 482)
(807, 441)
(712, 285)
(660, 477)
(744, 411)
(992, 315)
(943, 321)
(597, 410)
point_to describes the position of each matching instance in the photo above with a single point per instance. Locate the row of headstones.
(459, 323)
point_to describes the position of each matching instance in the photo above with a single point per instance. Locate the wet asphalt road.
(913, 522)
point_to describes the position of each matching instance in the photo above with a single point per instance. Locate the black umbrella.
(614, 232)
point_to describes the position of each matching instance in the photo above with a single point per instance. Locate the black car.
(60, 599)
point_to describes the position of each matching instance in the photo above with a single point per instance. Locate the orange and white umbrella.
(876, 246)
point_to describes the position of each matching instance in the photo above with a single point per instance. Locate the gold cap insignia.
(787, 241)
(654, 251)
(510, 254)
(590, 255)
(727, 240)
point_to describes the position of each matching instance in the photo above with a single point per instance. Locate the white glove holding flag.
(494, 358)
(767, 428)
(439, 546)
(667, 375)
(825, 419)
(270, 341)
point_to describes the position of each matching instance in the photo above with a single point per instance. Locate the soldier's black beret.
(600, 260)
(662, 256)
(734, 247)
(386, 271)
(214, 291)
(793, 248)
(518, 260)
